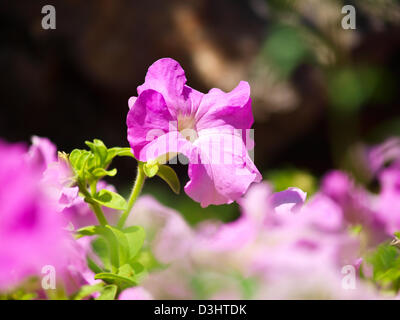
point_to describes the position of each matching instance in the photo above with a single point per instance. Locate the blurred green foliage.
(350, 88)
(291, 177)
(385, 261)
(284, 48)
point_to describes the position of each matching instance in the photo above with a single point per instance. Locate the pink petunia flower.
(388, 203)
(58, 182)
(357, 204)
(211, 130)
(32, 233)
(42, 152)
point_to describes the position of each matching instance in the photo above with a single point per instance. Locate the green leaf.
(139, 271)
(99, 173)
(123, 245)
(108, 293)
(93, 266)
(386, 266)
(99, 150)
(110, 199)
(87, 290)
(147, 260)
(87, 231)
(169, 176)
(128, 275)
(28, 296)
(151, 168)
(120, 152)
(78, 159)
(384, 258)
(135, 236)
(102, 249)
(127, 272)
(113, 246)
(116, 278)
(74, 157)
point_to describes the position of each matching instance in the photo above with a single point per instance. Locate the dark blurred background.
(318, 91)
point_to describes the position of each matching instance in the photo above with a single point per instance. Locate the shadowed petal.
(148, 118)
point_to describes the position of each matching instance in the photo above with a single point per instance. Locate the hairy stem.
(137, 188)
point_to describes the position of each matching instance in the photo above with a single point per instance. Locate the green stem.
(99, 213)
(93, 205)
(137, 188)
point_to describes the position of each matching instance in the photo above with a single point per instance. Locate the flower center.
(187, 126)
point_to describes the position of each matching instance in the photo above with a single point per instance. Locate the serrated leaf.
(108, 293)
(169, 176)
(110, 199)
(135, 236)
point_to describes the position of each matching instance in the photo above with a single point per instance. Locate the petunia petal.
(167, 77)
(220, 109)
(291, 200)
(221, 171)
(148, 118)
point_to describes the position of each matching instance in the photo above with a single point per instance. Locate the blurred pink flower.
(291, 199)
(76, 272)
(58, 182)
(31, 231)
(388, 203)
(57, 175)
(379, 214)
(287, 247)
(168, 117)
(357, 204)
(42, 152)
(380, 155)
(135, 293)
(169, 236)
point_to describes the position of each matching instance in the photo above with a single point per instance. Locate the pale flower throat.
(187, 126)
